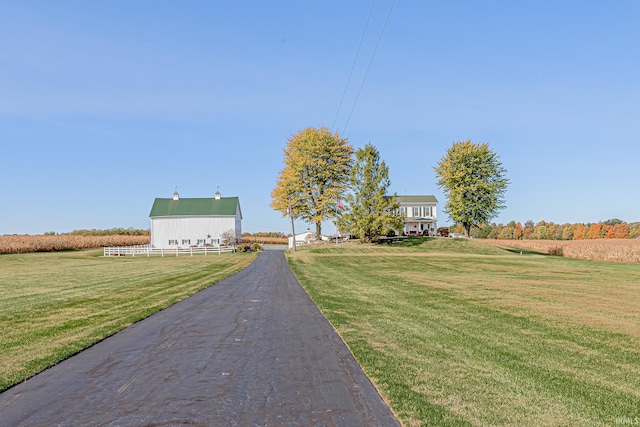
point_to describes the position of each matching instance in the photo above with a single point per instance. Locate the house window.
(173, 242)
(403, 211)
(186, 241)
(416, 211)
(201, 241)
(215, 241)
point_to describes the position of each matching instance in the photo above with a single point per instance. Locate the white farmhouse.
(419, 215)
(188, 222)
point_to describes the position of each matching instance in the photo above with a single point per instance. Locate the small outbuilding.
(306, 238)
(184, 222)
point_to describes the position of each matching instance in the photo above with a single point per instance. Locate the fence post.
(191, 250)
(176, 251)
(147, 251)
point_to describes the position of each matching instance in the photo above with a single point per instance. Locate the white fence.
(149, 250)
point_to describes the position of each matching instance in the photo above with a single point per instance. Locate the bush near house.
(248, 247)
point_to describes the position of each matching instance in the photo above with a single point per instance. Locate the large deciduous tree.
(474, 182)
(370, 213)
(316, 173)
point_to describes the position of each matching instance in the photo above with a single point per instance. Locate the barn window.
(201, 241)
(173, 242)
(186, 241)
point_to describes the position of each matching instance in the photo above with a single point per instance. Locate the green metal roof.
(417, 199)
(224, 206)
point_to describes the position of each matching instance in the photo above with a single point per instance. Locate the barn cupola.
(218, 193)
(176, 196)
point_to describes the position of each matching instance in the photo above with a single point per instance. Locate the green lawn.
(53, 305)
(458, 332)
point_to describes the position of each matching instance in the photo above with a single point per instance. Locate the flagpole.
(339, 205)
(293, 231)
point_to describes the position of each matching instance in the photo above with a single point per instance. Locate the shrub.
(248, 247)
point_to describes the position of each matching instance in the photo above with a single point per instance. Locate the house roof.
(416, 199)
(225, 206)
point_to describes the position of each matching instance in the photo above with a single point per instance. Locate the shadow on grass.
(407, 242)
(520, 251)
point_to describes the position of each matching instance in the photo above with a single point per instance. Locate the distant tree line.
(543, 230)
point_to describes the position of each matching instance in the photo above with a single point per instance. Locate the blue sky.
(105, 106)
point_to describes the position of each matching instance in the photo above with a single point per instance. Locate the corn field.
(14, 244)
(618, 250)
(265, 240)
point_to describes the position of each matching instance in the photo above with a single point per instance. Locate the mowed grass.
(53, 305)
(459, 332)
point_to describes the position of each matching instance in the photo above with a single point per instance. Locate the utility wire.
(353, 65)
(369, 67)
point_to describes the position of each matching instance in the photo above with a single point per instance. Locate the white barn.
(188, 222)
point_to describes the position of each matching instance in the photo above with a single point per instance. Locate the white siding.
(238, 224)
(419, 210)
(191, 228)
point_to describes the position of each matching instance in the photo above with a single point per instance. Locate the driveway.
(253, 350)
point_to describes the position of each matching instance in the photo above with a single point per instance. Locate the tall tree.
(579, 232)
(594, 231)
(474, 182)
(317, 164)
(370, 212)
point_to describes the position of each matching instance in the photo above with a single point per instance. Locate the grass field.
(459, 332)
(53, 305)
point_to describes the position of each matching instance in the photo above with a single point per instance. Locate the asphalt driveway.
(253, 350)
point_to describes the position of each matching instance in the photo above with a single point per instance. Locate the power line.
(353, 65)
(369, 67)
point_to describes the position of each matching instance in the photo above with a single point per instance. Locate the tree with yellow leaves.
(474, 182)
(316, 174)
